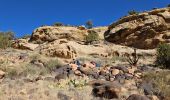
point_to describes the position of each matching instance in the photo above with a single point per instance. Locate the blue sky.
(23, 16)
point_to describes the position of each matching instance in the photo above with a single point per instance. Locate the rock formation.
(51, 33)
(58, 48)
(144, 30)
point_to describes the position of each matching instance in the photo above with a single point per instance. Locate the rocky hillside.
(56, 63)
(144, 30)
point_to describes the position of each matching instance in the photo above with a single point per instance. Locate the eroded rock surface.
(145, 30)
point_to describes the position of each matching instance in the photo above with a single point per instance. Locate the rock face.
(58, 48)
(24, 45)
(145, 30)
(51, 33)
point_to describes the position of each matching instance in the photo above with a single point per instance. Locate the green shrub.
(133, 12)
(58, 24)
(92, 36)
(5, 39)
(168, 5)
(163, 56)
(89, 24)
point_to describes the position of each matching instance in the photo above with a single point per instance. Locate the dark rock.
(65, 70)
(60, 76)
(128, 76)
(137, 97)
(120, 77)
(147, 87)
(105, 89)
(62, 96)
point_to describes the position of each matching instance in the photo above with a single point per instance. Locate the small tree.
(5, 39)
(89, 24)
(58, 24)
(163, 55)
(168, 5)
(133, 12)
(92, 36)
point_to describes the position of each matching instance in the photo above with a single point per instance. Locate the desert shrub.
(12, 73)
(168, 5)
(5, 39)
(58, 24)
(51, 65)
(31, 69)
(163, 56)
(133, 12)
(91, 37)
(89, 24)
(160, 82)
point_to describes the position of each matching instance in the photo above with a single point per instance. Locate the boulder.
(58, 48)
(106, 89)
(115, 71)
(52, 33)
(91, 72)
(143, 30)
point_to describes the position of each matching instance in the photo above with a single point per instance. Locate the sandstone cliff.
(145, 30)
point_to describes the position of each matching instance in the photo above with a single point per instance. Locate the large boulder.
(106, 89)
(51, 33)
(145, 30)
(58, 48)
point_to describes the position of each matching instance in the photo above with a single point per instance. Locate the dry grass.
(160, 81)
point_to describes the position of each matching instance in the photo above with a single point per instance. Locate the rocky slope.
(144, 30)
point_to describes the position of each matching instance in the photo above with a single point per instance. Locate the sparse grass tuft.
(160, 81)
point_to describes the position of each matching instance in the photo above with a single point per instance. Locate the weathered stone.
(23, 44)
(58, 48)
(115, 71)
(105, 89)
(52, 33)
(142, 31)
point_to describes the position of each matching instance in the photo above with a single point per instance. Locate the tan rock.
(73, 66)
(132, 70)
(23, 44)
(77, 72)
(153, 97)
(142, 31)
(115, 71)
(52, 33)
(58, 48)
